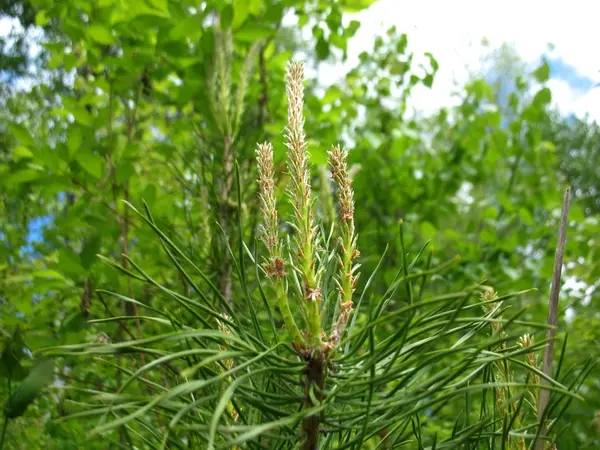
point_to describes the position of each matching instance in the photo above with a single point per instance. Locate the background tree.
(155, 100)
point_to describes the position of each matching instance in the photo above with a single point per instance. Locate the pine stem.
(300, 193)
(286, 312)
(315, 376)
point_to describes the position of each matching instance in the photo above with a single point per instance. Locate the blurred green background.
(468, 139)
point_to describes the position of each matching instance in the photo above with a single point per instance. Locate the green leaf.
(139, 9)
(48, 158)
(227, 16)
(241, 10)
(190, 27)
(91, 162)
(31, 388)
(74, 141)
(542, 73)
(353, 6)
(21, 152)
(21, 134)
(17, 279)
(432, 61)
(101, 34)
(428, 80)
(543, 97)
(490, 212)
(398, 67)
(428, 230)
(23, 176)
(402, 44)
(124, 171)
(352, 28)
(526, 216)
(161, 6)
(322, 49)
(273, 14)
(546, 146)
(82, 116)
(41, 18)
(334, 19)
(55, 61)
(332, 94)
(252, 31)
(69, 263)
(149, 194)
(47, 273)
(339, 41)
(90, 249)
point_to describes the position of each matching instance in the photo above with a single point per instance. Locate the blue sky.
(563, 71)
(36, 228)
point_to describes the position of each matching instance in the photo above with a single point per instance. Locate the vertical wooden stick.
(552, 313)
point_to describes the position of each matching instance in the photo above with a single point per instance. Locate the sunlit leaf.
(101, 34)
(91, 162)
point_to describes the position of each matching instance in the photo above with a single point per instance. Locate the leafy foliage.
(155, 102)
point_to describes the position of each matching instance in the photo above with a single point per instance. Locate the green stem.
(347, 271)
(315, 323)
(286, 313)
(312, 298)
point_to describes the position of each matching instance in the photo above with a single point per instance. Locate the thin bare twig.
(552, 315)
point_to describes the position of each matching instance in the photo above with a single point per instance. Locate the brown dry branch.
(552, 316)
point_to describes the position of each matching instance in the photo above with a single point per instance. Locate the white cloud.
(8, 24)
(563, 96)
(453, 32)
(590, 104)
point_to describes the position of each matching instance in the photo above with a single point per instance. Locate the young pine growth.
(275, 266)
(305, 259)
(348, 276)
(300, 194)
(414, 359)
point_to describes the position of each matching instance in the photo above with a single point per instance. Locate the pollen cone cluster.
(305, 257)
